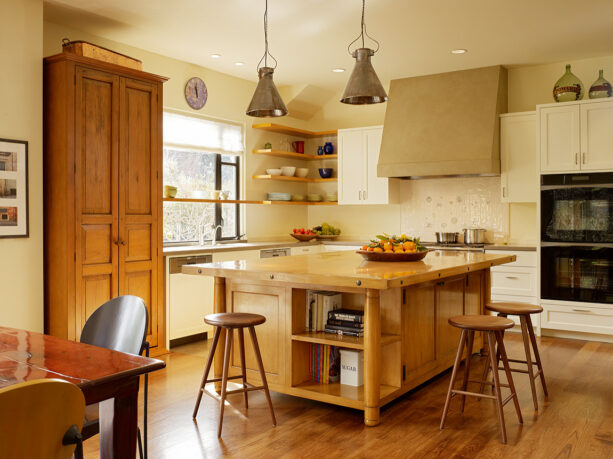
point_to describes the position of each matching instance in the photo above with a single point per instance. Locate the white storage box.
(352, 367)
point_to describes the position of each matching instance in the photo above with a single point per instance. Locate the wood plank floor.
(577, 421)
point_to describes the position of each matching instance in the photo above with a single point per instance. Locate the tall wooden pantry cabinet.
(102, 191)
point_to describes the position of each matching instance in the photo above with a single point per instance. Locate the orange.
(370, 249)
(409, 245)
(364, 247)
(389, 251)
(398, 249)
(377, 249)
(387, 246)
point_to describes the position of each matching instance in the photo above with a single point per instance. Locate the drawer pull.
(581, 310)
(512, 277)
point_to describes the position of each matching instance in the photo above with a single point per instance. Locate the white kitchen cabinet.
(576, 136)
(518, 166)
(236, 255)
(341, 248)
(358, 155)
(307, 249)
(578, 318)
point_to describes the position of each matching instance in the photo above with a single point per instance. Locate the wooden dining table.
(107, 377)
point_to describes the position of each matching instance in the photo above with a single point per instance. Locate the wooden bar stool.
(230, 321)
(524, 311)
(493, 327)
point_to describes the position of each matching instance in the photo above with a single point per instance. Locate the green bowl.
(170, 191)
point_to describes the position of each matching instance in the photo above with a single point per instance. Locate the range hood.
(444, 124)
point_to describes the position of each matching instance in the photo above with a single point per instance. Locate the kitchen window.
(200, 156)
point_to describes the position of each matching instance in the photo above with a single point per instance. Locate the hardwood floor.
(577, 421)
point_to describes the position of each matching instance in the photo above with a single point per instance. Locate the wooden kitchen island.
(407, 339)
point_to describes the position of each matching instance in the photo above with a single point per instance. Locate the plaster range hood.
(444, 125)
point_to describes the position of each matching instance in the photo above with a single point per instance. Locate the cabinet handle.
(504, 191)
(583, 158)
(116, 242)
(364, 194)
(359, 195)
(512, 277)
(576, 158)
(581, 310)
(122, 242)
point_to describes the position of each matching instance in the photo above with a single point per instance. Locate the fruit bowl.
(303, 237)
(327, 237)
(387, 256)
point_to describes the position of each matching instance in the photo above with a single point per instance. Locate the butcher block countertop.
(349, 269)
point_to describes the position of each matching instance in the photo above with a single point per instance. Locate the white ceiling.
(310, 37)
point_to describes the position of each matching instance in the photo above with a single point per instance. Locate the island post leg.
(372, 358)
(487, 297)
(219, 306)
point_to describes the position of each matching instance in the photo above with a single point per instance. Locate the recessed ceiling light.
(338, 70)
(458, 51)
(239, 64)
(215, 56)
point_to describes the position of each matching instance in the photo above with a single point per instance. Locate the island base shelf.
(344, 341)
(337, 393)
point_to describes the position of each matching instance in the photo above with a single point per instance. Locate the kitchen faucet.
(215, 228)
(201, 232)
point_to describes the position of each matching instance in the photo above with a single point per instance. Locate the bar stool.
(523, 311)
(229, 322)
(493, 327)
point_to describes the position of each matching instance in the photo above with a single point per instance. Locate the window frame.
(218, 212)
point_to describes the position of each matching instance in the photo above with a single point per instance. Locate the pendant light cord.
(363, 33)
(266, 52)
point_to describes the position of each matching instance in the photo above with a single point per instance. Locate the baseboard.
(577, 335)
(189, 339)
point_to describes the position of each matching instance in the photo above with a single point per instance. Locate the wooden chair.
(121, 325)
(493, 327)
(229, 322)
(41, 419)
(524, 311)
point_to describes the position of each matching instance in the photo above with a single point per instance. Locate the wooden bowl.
(303, 237)
(386, 256)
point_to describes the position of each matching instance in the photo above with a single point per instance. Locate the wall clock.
(196, 93)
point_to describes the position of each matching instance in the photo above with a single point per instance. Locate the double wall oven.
(577, 237)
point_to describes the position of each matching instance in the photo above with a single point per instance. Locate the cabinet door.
(449, 303)
(597, 136)
(351, 166)
(518, 173)
(138, 196)
(96, 200)
(559, 138)
(376, 189)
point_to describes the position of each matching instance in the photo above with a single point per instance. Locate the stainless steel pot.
(474, 236)
(446, 237)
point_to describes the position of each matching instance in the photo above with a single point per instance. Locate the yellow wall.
(21, 260)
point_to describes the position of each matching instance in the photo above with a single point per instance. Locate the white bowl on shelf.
(273, 171)
(288, 171)
(302, 172)
(200, 194)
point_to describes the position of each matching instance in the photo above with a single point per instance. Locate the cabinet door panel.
(138, 239)
(597, 136)
(139, 283)
(449, 303)
(376, 188)
(559, 138)
(97, 244)
(518, 158)
(419, 325)
(97, 290)
(351, 167)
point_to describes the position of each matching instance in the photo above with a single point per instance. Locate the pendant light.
(266, 100)
(363, 86)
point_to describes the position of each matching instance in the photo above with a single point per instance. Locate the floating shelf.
(351, 342)
(292, 155)
(279, 129)
(284, 178)
(238, 201)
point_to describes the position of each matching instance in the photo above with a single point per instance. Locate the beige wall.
(21, 260)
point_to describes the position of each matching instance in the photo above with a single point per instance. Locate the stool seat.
(234, 319)
(516, 309)
(481, 323)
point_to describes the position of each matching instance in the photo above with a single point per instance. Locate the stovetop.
(456, 246)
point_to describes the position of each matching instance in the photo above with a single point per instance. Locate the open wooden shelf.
(284, 178)
(279, 129)
(238, 201)
(337, 393)
(351, 342)
(292, 155)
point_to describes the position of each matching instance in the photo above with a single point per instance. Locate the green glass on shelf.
(568, 88)
(601, 88)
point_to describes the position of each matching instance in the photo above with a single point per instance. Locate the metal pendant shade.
(363, 86)
(266, 100)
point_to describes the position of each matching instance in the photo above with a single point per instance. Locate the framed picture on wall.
(14, 188)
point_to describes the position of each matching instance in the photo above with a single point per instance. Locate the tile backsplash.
(452, 204)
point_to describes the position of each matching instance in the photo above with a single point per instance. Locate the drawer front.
(526, 259)
(578, 318)
(514, 281)
(303, 250)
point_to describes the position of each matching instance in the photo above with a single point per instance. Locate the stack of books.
(318, 306)
(324, 363)
(345, 322)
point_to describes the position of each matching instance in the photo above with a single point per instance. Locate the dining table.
(107, 377)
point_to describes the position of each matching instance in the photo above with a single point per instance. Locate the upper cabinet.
(518, 167)
(576, 136)
(358, 154)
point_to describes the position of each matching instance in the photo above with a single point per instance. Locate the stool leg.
(224, 378)
(486, 368)
(491, 339)
(454, 372)
(258, 357)
(241, 344)
(537, 356)
(505, 363)
(526, 338)
(470, 338)
(207, 368)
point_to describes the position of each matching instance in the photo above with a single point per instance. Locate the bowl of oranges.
(393, 248)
